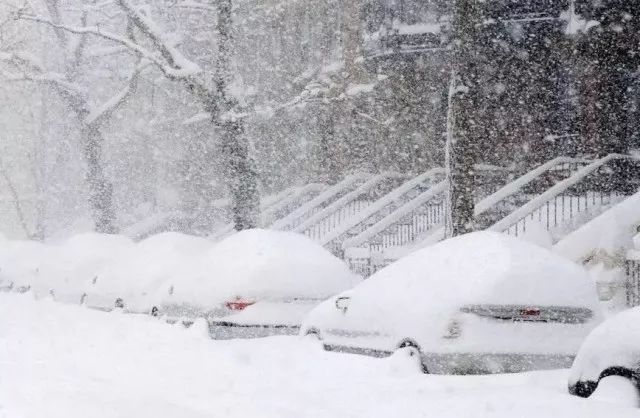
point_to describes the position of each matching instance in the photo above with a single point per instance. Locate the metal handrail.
(348, 205)
(292, 201)
(393, 199)
(405, 210)
(632, 266)
(326, 197)
(516, 221)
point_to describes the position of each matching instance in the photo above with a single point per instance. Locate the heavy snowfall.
(319, 208)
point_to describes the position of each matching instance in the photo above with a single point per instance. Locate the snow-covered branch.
(171, 54)
(168, 70)
(16, 200)
(196, 5)
(102, 113)
(28, 69)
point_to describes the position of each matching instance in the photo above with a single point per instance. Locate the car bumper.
(222, 330)
(470, 363)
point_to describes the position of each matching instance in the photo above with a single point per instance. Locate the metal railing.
(572, 201)
(417, 217)
(404, 224)
(324, 226)
(633, 282)
(296, 199)
(564, 210)
(521, 190)
(317, 226)
(319, 202)
(380, 209)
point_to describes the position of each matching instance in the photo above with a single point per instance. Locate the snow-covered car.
(479, 303)
(256, 283)
(64, 269)
(141, 274)
(20, 262)
(612, 349)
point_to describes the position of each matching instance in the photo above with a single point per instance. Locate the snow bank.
(66, 361)
(263, 264)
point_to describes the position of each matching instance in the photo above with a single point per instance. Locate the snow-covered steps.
(503, 201)
(401, 226)
(298, 198)
(519, 191)
(279, 204)
(323, 200)
(608, 244)
(379, 209)
(350, 204)
(570, 203)
(420, 222)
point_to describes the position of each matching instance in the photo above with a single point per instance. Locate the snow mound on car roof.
(263, 264)
(476, 268)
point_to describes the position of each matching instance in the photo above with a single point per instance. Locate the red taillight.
(530, 312)
(238, 304)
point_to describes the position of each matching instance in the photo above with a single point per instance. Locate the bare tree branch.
(173, 56)
(16, 200)
(170, 72)
(99, 116)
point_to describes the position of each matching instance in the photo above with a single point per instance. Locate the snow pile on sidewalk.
(60, 360)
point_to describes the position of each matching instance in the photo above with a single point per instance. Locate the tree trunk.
(463, 117)
(243, 178)
(243, 184)
(100, 189)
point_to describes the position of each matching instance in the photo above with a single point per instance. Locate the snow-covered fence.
(321, 201)
(569, 203)
(318, 225)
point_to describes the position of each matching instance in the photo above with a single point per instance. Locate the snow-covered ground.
(59, 360)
